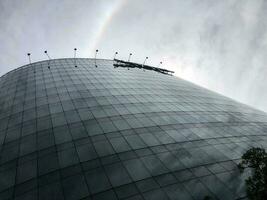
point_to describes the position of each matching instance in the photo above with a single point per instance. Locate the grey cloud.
(221, 45)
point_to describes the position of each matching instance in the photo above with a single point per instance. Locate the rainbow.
(104, 25)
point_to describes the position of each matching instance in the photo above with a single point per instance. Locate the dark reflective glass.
(111, 133)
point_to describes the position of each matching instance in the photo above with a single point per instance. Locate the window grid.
(145, 135)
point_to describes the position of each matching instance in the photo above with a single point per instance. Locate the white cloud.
(221, 45)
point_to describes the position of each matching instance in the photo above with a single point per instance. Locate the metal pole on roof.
(129, 57)
(29, 55)
(46, 53)
(96, 51)
(160, 63)
(145, 61)
(115, 55)
(75, 49)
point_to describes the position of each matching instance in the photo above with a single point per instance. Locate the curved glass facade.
(111, 133)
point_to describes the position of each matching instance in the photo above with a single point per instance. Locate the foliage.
(256, 159)
(207, 198)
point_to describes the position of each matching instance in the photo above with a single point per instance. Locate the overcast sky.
(221, 45)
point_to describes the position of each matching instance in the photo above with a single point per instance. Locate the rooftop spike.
(145, 61)
(46, 53)
(129, 57)
(96, 51)
(75, 57)
(160, 63)
(115, 55)
(29, 55)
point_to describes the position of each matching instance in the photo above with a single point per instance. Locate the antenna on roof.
(47, 54)
(160, 63)
(75, 57)
(115, 55)
(129, 57)
(29, 55)
(144, 63)
(48, 58)
(95, 56)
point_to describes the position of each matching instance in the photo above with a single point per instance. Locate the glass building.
(110, 133)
